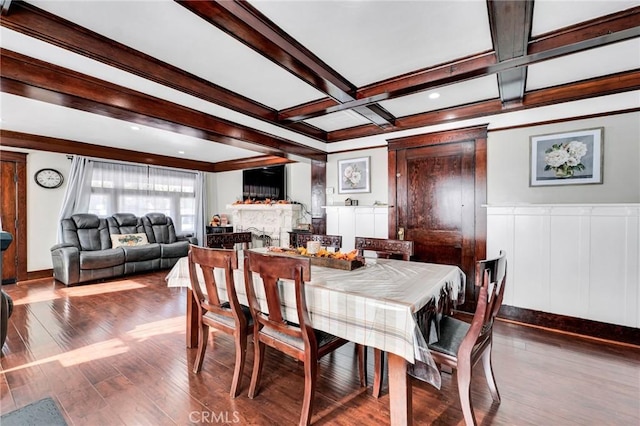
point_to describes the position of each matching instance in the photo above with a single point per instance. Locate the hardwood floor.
(114, 353)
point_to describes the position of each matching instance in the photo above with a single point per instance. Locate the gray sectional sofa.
(95, 248)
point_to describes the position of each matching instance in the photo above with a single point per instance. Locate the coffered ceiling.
(217, 83)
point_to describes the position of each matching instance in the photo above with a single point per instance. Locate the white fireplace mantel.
(275, 220)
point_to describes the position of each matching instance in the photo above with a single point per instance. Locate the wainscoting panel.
(580, 261)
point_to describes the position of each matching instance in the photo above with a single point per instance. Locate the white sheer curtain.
(104, 188)
(78, 191)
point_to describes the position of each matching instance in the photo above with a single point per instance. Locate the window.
(125, 188)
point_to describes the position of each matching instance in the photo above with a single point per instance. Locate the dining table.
(382, 304)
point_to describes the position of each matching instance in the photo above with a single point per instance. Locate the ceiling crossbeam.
(248, 25)
(596, 33)
(35, 79)
(510, 23)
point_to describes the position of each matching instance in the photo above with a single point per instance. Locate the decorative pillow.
(118, 240)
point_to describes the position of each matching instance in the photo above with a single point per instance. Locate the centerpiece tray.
(344, 261)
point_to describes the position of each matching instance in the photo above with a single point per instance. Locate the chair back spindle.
(334, 241)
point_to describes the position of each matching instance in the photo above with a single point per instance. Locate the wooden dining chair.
(229, 317)
(334, 241)
(228, 240)
(299, 340)
(461, 345)
(385, 248)
(388, 249)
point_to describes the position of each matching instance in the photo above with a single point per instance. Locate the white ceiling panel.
(583, 65)
(368, 41)
(550, 15)
(476, 90)
(338, 120)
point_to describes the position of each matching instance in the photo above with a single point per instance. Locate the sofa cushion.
(118, 240)
(159, 228)
(140, 253)
(124, 223)
(177, 249)
(99, 259)
(86, 232)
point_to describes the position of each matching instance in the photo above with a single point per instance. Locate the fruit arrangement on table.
(323, 257)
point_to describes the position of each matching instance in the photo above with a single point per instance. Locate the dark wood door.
(437, 203)
(13, 202)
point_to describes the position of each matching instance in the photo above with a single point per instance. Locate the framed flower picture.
(567, 158)
(354, 175)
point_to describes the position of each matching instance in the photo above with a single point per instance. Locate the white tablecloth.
(373, 305)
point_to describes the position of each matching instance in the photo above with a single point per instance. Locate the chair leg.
(378, 372)
(203, 337)
(488, 372)
(310, 374)
(362, 364)
(241, 354)
(258, 359)
(464, 389)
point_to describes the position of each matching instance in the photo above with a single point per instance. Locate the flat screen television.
(264, 182)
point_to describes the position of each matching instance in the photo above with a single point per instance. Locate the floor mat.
(43, 412)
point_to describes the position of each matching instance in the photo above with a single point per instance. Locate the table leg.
(192, 320)
(399, 391)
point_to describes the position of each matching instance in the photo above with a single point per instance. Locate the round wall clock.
(49, 178)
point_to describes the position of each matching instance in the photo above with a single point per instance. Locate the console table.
(228, 240)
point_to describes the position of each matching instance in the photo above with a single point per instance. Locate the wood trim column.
(318, 196)
(20, 236)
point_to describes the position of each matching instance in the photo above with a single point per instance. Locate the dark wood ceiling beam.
(597, 33)
(248, 25)
(510, 24)
(522, 61)
(250, 163)
(37, 23)
(4, 7)
(601, 86)
(64, 146)
(32, 78)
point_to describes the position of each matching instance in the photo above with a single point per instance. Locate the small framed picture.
(354, 175)
(567, 158)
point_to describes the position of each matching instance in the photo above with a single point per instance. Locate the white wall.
(379, 177)
(43, 207)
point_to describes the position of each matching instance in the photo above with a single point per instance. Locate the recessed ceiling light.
(434, 95)
(180, 152)
(135, 128)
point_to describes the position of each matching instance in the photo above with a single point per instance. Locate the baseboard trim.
(36, 275)
(580, 326)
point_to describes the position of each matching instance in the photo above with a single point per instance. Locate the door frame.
(477, 134)
(20, 239)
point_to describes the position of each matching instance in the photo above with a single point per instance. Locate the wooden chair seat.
(323, 339)
(452, 332)
(226, 318)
